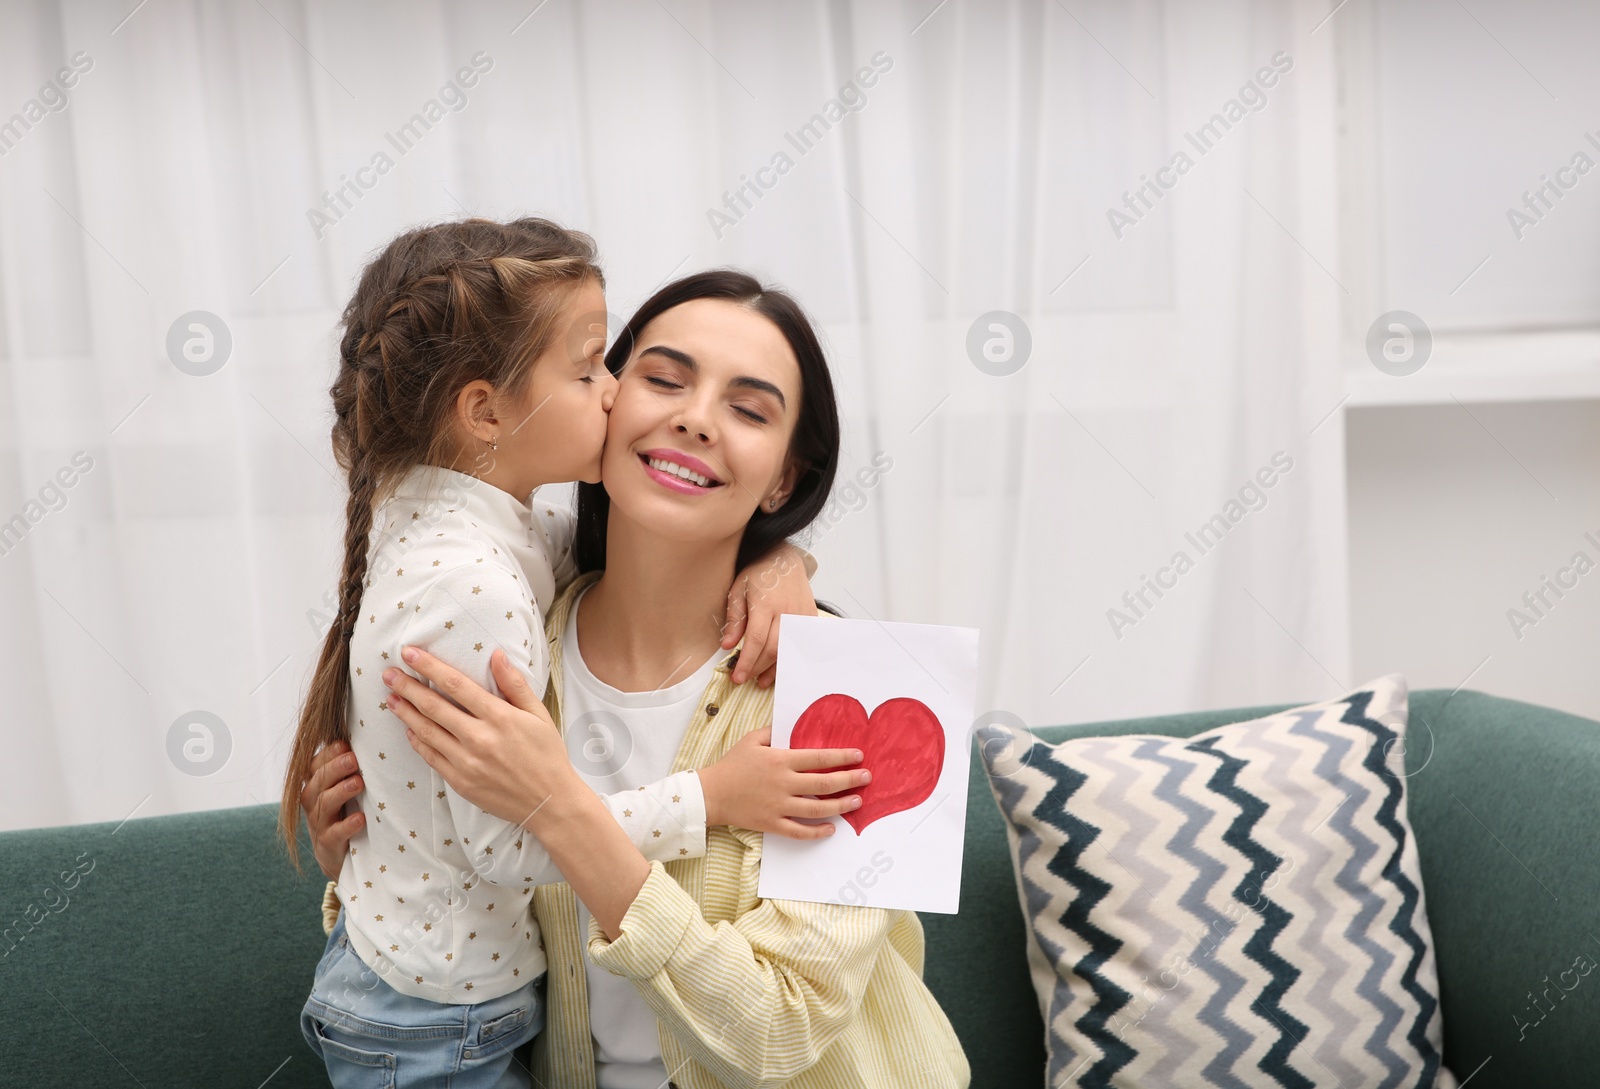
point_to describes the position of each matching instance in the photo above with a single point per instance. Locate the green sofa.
(176, 951)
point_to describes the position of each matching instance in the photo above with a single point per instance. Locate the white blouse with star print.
(437, 893)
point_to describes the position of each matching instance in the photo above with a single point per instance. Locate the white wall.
(1452, 519)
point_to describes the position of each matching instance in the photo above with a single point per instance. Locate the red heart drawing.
(902, 744)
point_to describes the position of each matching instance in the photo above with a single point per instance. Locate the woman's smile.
(679, 472)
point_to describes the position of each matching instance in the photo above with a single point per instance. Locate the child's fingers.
(764, 650)
(767, 679)
(751, 657)
(816, 759)
(832, 782)
(795, 830)
(738, 610)
(825, 807)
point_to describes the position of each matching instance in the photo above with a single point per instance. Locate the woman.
(722, 440)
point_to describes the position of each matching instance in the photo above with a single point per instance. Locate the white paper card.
(898, 692)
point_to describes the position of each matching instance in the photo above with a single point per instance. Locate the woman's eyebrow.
(744, 381)
(763, 386)
(673, 354)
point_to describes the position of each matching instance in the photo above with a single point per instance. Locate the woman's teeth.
(661, 465)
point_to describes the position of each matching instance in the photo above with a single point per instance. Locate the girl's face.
(556, 431)
(699, 432)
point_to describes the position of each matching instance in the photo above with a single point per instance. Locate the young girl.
(461, 389)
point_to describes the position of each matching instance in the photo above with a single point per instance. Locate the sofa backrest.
(1504, 799)
(176, 951)
(170, 951)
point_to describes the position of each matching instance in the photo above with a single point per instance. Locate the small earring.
(494, 444)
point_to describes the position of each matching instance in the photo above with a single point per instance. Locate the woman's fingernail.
(859, 755)
(348, 763)
(389, 676)
(855, 803)
(409, 653)
(866, 776)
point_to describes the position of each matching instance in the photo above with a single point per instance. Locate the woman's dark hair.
(816, 435)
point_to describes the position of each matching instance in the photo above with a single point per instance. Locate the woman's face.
(699, 432)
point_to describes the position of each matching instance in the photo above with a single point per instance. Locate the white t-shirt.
(437, 894)
(620, 741)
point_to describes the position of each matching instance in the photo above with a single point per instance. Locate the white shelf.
(1485, 367)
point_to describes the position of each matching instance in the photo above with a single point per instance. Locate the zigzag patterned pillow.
(1242, 908)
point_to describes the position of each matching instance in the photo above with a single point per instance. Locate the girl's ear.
(474, 406)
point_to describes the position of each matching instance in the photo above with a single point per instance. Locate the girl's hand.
(335, 779)
(759, 595)
(506, 758)
(761, 788)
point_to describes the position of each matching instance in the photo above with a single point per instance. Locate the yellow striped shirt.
(747, 992)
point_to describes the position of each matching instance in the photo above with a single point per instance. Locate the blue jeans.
(373, 1037)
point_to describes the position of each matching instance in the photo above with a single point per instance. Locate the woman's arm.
(758, 1000)
(754, 786)
(462, 619)
(508, 758)
(496, 754)
(335, 780)
(564, 808)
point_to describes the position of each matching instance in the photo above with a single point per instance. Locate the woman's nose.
(694, 418)
(685, 426)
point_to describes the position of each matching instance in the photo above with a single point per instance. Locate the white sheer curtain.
(185, 570)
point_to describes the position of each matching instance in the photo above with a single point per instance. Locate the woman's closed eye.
(752, 414)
